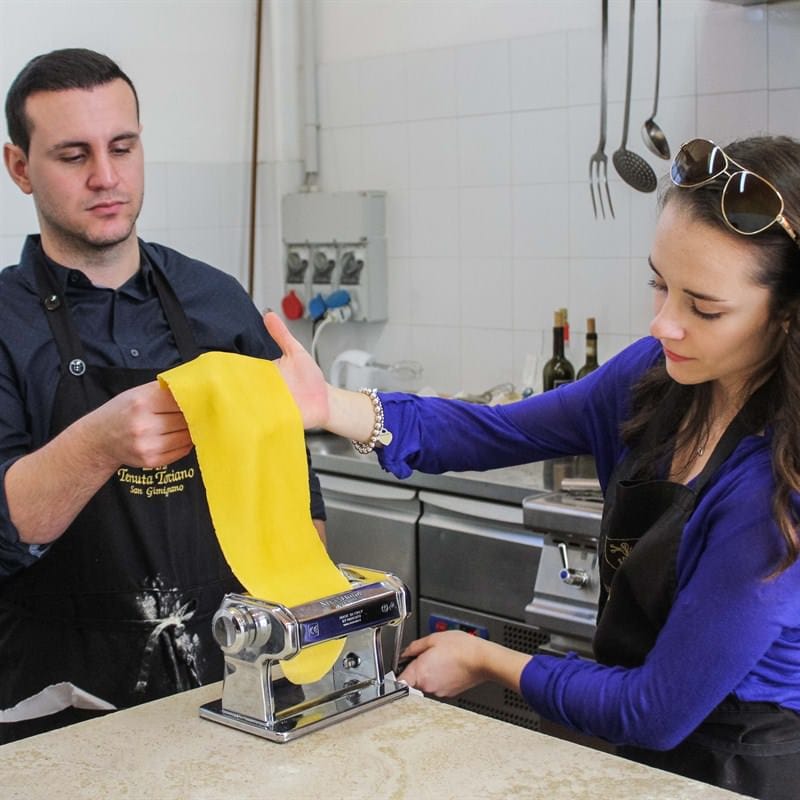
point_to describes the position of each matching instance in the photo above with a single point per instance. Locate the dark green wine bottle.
(591, 349)
(557, 370)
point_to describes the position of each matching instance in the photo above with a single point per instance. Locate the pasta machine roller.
(255, 635)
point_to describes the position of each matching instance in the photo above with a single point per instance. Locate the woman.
(696, 436)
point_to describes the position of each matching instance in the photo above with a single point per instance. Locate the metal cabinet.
(477, 570)
(374, 524)
(477, 554)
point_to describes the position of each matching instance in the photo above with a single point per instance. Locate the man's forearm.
(46, 489)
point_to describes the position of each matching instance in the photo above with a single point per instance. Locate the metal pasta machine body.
(255, 635)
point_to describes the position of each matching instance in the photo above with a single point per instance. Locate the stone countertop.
(331, 453)
(414, 748)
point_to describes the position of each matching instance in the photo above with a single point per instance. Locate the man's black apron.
(752, 748)
(121, 604)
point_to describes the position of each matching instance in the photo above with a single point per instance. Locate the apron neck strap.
(734, 433)
(173, 311)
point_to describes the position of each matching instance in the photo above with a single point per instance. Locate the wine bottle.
(565, 325)
(591, 349)
(557, 370)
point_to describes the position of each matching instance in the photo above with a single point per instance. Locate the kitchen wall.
(477, 117)
(191, 61)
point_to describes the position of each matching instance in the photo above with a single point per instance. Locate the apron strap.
(173, 311)
(70, 347)
(734, 433)
(738, 428)
(68, 342)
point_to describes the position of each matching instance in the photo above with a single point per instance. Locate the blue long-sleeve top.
(730, 630)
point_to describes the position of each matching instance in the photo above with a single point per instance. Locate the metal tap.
(570, 576)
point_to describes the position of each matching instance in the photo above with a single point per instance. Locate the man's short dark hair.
(71, 68)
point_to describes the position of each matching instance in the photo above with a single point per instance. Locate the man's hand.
(46, 489)
(141, 427)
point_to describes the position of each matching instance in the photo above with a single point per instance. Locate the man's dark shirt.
(125, 327)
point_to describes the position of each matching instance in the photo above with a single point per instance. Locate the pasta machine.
(255, 635)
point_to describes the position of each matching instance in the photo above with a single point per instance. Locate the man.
(109, 566)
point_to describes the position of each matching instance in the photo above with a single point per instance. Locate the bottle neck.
(558, 342)
(591, 348)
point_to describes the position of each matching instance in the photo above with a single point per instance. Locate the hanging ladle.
(652, 135)
(632, 168)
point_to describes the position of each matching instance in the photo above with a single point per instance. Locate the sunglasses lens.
(697, 161)
(750, 203)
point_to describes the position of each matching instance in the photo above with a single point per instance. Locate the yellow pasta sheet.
(248, 434)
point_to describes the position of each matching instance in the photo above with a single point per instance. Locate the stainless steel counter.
(509, 485)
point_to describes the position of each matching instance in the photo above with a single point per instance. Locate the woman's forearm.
(350, 414)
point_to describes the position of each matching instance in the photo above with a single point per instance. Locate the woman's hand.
(348, 414)
(448, 663)
(445, 664)
(301, 373)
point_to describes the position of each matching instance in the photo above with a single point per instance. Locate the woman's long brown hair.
(681, 413)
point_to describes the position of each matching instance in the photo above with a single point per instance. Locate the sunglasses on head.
(750, 203)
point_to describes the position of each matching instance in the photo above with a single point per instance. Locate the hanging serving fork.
(598, 163)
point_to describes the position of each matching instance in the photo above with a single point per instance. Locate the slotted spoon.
(632, 168)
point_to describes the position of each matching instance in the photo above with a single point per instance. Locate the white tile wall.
(539, 72)
(435, 286)
(732, 115)
(784, 110)
(382, 86)
(384, 153)
(480, 136)
(433, 222)
(484, 150)
(482, 78)
(486, 292)
(534, 133)
(18, 213)
(485, 217)
(783, 53)
(433, 153)
(486, 358)
(10, 248)
(339, 94)
(732, 50)
(431, 84)
(540, 220)
(341, 163)
(493, 228)
(191, 62)
(540, 286)
(442, 348)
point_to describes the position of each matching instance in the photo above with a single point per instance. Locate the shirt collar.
(139, 286)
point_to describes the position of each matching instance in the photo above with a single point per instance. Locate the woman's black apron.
(751, 748)
(120, 606)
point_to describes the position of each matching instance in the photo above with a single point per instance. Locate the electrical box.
(335, 241)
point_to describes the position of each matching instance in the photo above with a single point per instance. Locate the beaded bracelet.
(380, 436)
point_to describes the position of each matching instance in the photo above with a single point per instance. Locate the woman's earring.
(785, 326)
